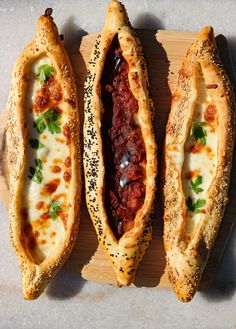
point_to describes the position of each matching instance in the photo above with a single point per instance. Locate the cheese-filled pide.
(198, 154)
(120, 160)
(43, 158)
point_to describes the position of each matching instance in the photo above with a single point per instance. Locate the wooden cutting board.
(164, 52)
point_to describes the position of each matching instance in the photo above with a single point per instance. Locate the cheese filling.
(200, 158)
(196, 159)
(47, 172)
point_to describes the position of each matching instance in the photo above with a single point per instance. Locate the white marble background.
(71, 302)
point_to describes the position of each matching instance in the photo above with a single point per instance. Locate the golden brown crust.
(186, 264)
(127, 253)
(46, 42)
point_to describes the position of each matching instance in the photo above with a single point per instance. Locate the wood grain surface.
(164, 52)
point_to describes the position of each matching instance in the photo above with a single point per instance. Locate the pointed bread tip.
(45, 26)
(206, 33)
(116, 15)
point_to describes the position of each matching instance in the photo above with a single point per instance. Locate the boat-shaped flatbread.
(198, 154)
(43, 158)
(120, 160)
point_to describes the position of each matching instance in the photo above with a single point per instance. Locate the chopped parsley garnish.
(195, 185)
(36, 173)
(53, 127)
(54, 209)
(35, 143)
(199, 132)
(194, 207)
(50, 119)
(40, 124)
(44, 72)
(39, 164)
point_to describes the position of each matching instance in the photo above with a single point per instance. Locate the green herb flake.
(199, 132)
(44, 72)
(194, 207)
(195, 185)
(35, 143)
(50, 119)
(38, 177)
(36, 173)
(54, 209)
(39, 164)
(54, 128)
(39, 123)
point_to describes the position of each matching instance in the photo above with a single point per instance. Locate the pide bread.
(43, 158)
(120, 154)
(198, 154)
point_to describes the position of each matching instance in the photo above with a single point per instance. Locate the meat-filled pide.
(120, 160)
(43, 158)
(198, 156)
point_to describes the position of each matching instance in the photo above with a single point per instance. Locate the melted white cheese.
(48, 232)
(203, 163)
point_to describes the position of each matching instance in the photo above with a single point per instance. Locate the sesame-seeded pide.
(43, 158)
(120, 154)
(43, 155)
(198, 155)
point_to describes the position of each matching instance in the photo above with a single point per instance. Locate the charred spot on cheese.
(50, 187)
(40, 205)
(192, 174)
(55, 169)
(123, 146)
(210, 113)
(48, 95)
(42, 99)
(197, 148)
(53, 234)
(66, 133)
(68, 162)
(67, 176)
(45, 215)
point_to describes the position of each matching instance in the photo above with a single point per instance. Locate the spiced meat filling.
(123, 145)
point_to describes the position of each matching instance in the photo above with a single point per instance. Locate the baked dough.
(43, 158)
(126, 251)
(198, 154)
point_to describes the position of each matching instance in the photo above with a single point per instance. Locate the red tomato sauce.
(124, 149)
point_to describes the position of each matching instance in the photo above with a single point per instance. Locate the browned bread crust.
(46, 42)
(186, 261)
(127, 253)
